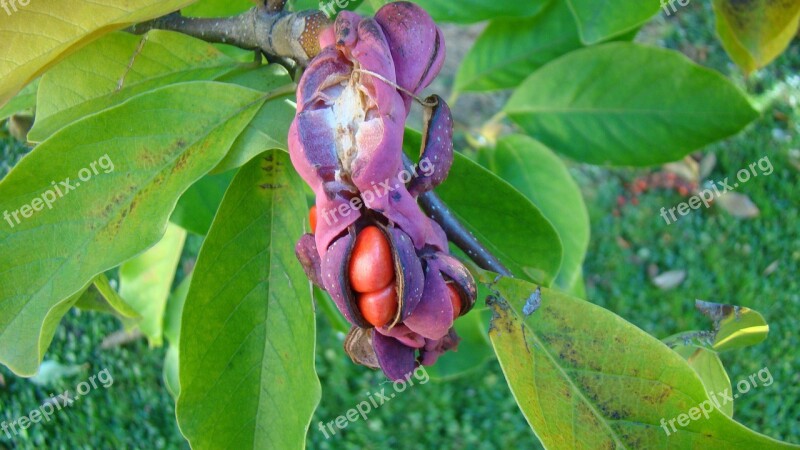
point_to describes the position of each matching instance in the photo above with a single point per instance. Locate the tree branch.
(277, 33)
(437, 210)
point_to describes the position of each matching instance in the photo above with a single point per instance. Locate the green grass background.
(724, 258)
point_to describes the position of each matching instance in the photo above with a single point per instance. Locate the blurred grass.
(724, 258)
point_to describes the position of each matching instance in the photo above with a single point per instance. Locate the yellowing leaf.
(755, 32)
(38, 35)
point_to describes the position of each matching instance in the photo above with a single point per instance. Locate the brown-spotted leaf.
(755, 32)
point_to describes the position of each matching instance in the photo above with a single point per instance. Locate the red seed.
(371, 266)
(312, 219)
(455, 299)
(379, 307)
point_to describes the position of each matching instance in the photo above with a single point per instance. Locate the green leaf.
(174, 311)
(171, 372)
(509, 50)
(145, 281)
(122, 66)
(172, 332)
(541, 176)
(38, 35)
(756, 32)
(102, 297)
(197, 206)
(709, 368)
(735, 326)
(626, 104)
(470, 11)
(145, 153)
(23, 102)
(247, 341)
(586, 378)
(269, 129)
(601, 20)
(500, 217)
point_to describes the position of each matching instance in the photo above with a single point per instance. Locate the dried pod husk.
(407, 268)
(437, 147)
(358, 345)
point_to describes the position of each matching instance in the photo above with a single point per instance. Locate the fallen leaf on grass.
(669, 280)
(738, 205)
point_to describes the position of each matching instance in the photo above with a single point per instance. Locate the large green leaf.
(509, 50)
(247, 339)
(121, 66)
(469, 11)
(500, 217)
(145, 282)
(626, 104)
(39, 34)
(756, 32)
(601, 20)
(146, 152)
(586, 378)
(543, 178)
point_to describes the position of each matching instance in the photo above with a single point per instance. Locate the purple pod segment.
(416, 43)
(307, 254)
(326, 70)
(437, 147)
(345, 30)
(433, 349)
(433, 317)
(409, 276)
(396, 360)
(403, 334)
(462, 279)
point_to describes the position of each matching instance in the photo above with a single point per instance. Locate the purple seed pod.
(346, 143)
